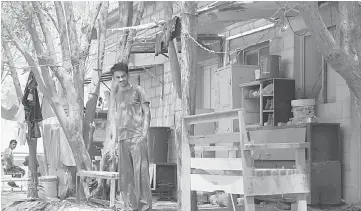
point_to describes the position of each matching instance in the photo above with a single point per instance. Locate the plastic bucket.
(49, 184)
(270, 66)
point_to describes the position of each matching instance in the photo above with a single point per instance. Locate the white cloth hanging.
(22, 126)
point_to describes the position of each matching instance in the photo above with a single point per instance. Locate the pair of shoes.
(13, 184)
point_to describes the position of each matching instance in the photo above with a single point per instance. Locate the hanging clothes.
(159, 44)
(46, 109)
(22, 126)
(58, 150)
(172, 29)
(32, 107)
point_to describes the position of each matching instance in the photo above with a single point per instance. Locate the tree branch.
(28, 59)
(132, 33)
(125, 19)
(60, 113)
(63, 36)
(14, 74)
(53, 21)
(98, 9)
(73, 37)
(95, 83)
(350, 28)
(38, 48)
(76, 60)
(343, 63)
(51, 57)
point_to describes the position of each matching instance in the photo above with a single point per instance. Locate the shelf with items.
(271, 98)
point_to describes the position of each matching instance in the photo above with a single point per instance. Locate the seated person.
(8, 162)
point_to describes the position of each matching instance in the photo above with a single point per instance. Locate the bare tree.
(89, 127)
(69, 71)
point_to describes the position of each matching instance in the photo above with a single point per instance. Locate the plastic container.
(50, 185)
(270, 66)
(303, 102)
(304, 111)
(257, 74)
(158, 144)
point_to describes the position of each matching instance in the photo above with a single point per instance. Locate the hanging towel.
(22, 127)
(159, 44)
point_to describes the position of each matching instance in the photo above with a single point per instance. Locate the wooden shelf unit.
(283, 93)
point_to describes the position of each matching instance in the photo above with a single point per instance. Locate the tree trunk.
(109, 160)
(14, 76)
(70, 74)
(13, 73)
(344, 58)
(33, 169)
(189, 66)
(95, 82)
(80, 153)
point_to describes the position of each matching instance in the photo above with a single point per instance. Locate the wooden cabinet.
(164, 180)
(267, 101)
(227, 91)
(325, 163)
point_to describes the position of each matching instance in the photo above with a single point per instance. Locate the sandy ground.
(9, 197)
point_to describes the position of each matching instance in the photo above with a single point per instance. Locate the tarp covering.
(58, 151)
(9, 114)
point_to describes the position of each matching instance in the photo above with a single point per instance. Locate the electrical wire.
(300, 35)
(141, 40)
(188, 36)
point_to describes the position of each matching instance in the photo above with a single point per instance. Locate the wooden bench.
(237, 175)
(9, 178)
(112, 176)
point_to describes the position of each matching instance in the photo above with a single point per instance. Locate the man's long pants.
(134, 174)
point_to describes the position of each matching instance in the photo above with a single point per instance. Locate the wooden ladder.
(237, 175)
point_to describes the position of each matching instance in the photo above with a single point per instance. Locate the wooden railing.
(237, 175)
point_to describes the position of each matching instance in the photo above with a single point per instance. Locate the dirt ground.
(18, 201)
(53, 204)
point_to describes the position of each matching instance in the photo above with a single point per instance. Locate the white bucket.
(49, 184)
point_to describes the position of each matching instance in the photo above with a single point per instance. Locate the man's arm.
(147, 117)
(8, 158)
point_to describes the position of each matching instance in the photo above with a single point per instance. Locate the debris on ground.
(51, 204)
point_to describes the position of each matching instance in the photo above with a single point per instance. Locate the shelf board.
(253, 83)
(258, 82)
(257, 97)
(268, 111)
(253, 97)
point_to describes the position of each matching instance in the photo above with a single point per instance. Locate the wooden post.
(188, 80)
(301, 167)
(247, 162)
(185, 201)
(112, 193)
